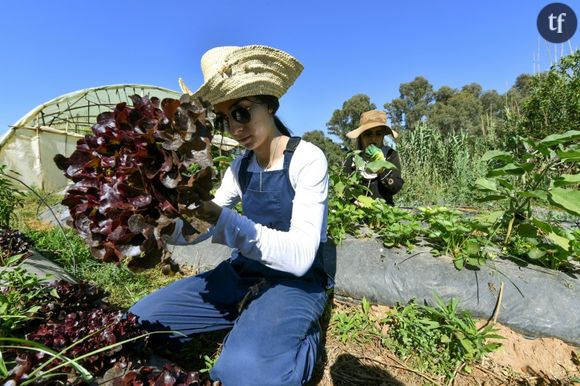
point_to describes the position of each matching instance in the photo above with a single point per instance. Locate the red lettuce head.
(133, 176)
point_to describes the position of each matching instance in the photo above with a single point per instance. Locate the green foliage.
(354, 324)
(221, 164)
(125, 287)
(438, 339)
(462, 112)
(334, 154)
(343, 215)
(553, 105)
(347, 119)
(437, 168)
(20, 298)
(453, 234)
(472, 241)
(209, 363)
(10, 199)
(352, 211)
(65, 248)
(545, 174)
(413, 104)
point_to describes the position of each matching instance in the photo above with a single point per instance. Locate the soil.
(521, 361)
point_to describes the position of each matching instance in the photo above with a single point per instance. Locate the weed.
(354, 324)
(20, 298)
(438, 339)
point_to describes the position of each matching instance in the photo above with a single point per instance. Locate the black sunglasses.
(240, 114)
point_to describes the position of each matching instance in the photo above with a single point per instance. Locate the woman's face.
(259, 126)
(374, 136)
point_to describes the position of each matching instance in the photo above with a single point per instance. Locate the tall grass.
(439, 169)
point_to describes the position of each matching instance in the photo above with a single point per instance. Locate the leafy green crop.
(453, 234)
(545, 174)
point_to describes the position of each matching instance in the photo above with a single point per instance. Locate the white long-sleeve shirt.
(292, 251)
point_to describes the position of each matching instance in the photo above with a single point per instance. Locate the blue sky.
(49, 48)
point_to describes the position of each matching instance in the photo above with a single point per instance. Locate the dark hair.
(274, 104)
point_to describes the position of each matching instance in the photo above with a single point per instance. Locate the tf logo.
(557, 22)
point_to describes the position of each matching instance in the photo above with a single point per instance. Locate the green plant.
(354, 324)
(552, 106)
(20, 295)
(353, 211)
(344, 216)
(209, 363)
(10, 198)
(438, 339)
(541, 175)
(438, 168)
(455, 235)
(394, 226)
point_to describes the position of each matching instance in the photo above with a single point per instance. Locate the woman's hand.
(374, 153)
(207, 211)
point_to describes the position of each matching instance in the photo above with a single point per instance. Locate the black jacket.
(387, 182)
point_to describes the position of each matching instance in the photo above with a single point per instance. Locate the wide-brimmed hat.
(233, 72)
(371, 119)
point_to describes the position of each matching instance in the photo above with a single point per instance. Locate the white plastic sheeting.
(28, 154)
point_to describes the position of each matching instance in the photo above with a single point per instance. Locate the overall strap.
(289, 151)
(243, 176)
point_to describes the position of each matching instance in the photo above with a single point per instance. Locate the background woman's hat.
(235, 72)
(369, 120)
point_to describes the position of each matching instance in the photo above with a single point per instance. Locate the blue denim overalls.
(275, 339)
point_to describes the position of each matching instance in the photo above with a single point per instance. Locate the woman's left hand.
(374, 153)
(206, 210)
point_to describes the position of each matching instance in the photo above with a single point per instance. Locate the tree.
(553, 104)
(523, 84)
(472, 88)
(460, 112)
(492, 113)
(347, 119)
(413, 104)
(444, 94)
(334, 154)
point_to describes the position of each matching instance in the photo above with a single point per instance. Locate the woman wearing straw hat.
(272, 290)
(370, 138)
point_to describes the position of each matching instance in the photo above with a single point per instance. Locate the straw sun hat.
(235, 72)
(369, 120)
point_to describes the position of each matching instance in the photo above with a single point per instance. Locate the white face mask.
(390, 142)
